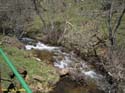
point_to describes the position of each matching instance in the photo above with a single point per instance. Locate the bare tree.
(113, 27)
(115, 65)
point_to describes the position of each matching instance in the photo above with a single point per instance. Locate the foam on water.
(40, 46)
(61, 64)
(91, 74)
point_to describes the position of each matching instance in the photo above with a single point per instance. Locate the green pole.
(19, 77)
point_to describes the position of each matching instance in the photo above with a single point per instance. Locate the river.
(76, 75)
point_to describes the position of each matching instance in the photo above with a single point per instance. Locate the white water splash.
(62, 63)
(91, 74)
(29, 47)
(40, 46)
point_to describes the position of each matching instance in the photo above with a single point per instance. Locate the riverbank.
(41, 76)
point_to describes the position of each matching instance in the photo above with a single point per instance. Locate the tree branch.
(109, 24)
(35, 2)
(117, 24)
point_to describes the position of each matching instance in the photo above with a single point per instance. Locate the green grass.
(21, 58)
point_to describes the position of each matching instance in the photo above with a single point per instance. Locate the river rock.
(63, 71)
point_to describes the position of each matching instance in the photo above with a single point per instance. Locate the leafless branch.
(36, 4)
(118, 22)
(110, 24)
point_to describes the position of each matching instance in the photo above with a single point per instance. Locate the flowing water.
(77, 76)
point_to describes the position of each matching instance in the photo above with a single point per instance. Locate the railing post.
(0, 81)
